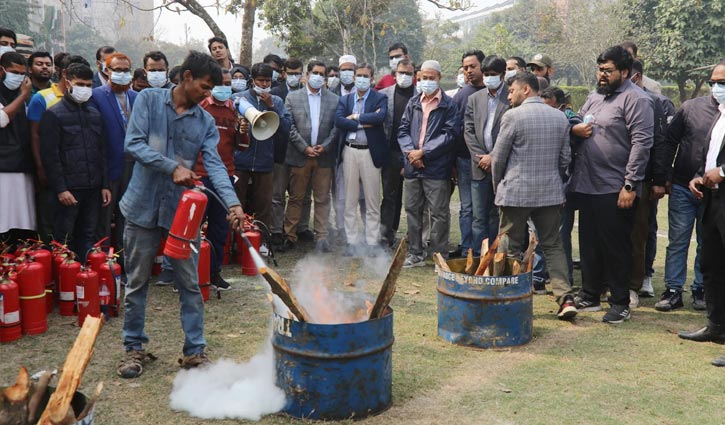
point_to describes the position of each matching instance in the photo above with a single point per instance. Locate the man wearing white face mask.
(396, 53)
(427, 137)
(17, 203)
(8, 40)
(115, 101)
(347, 65)
(398, 97)
(363, 151)
(75, 161)
(156, 67)
(100, 76)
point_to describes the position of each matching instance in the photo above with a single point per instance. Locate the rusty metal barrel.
(78, 404)
(334, 372)
(483, 311)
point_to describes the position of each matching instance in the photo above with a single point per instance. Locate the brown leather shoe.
(194, 360)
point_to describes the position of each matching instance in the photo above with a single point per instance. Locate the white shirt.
(315, 100)
(716, 140)
(4, 119)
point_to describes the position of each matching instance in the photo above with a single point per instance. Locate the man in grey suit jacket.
(311, 153)
(531, 154)
(481, 122)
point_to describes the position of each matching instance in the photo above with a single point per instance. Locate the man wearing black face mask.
(75, 159)
(17, 203)
(608, 176)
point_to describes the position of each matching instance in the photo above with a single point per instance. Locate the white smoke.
(230, 390)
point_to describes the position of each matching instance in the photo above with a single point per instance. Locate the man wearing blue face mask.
(114, 101)
(363, 151)
(231, 134)
(254, 165)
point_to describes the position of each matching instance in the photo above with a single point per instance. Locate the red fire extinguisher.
(110, 273)
(87, 294)
(96, 256)
(32, 298)
(252, 233)
(204, 269)
(156, 269)
(9, 310)
(69, 269)
(44, 258)
(185, 227)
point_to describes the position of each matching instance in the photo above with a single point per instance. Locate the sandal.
(132, 364)
(194, 360)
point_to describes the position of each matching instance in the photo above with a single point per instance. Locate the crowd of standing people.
(106, 150)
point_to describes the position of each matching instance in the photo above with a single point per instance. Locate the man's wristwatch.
(628, 186)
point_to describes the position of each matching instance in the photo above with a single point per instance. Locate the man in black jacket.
(75, 161)
(709, 185)
(17, 203)
(686, 136)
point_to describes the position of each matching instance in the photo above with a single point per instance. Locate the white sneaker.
(414, 261)
(263, 250)
(647, 290)
(633, 299)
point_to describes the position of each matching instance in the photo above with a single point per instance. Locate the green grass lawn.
(584, 372)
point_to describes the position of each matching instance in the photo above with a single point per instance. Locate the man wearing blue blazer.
(115, 102)
(363, 150)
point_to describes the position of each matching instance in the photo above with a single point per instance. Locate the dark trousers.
(217, 228)
(651, 250)
(254, 191)
(712, 258)
(391, 206)
(46, 204)
(605, 243)
(567, 226)
(640, 237)
(112, 213)
(76, 225)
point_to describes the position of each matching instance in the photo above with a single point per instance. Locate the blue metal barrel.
(334, 371)
(482, 311)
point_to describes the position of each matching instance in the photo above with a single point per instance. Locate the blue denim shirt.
(259, 156)
(159, 140)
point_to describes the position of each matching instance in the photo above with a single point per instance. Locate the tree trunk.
(681, 83)
(698, 87)
(245, 53)
(197, 9)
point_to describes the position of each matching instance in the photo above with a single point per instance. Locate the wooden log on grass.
(388, 289)
(57, 410)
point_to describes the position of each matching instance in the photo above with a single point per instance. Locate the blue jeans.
(485, 213)
(465, 216)
(684, 212)
(141, 244)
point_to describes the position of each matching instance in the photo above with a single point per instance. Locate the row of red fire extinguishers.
(34, 277)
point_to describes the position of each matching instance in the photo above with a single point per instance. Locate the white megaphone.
(264, 124)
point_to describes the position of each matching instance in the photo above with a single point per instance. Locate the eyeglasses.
(712, 83)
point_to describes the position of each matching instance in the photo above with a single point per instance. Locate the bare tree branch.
(455, 6)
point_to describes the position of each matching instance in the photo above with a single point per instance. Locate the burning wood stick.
(75, 364)
(280, 288)
(441, 262)
(388, 289)
(487, 258)
(469, 262)
(527, 263)
(499, 260)
(15, 401)
(516, 268)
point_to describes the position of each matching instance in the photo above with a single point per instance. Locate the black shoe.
(719, 362)
(706, 334)
(617, 314)
(287, 246)
(698, 300)
(539, 288)
(456, 253)
(585, 304)
(276, 240)
(670, 300)
(322, 246)
(218, 282)
(306, 236)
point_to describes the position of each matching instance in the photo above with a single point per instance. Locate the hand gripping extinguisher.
(32, 298)
(87, 294)
(109, 273)
(9, 310)
(187, 221)
(67, 272)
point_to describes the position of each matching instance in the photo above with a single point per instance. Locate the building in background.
(470, 21)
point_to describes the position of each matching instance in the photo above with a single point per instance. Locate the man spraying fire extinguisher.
(166, 133)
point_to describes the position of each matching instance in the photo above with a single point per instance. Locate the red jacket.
(226, 122)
